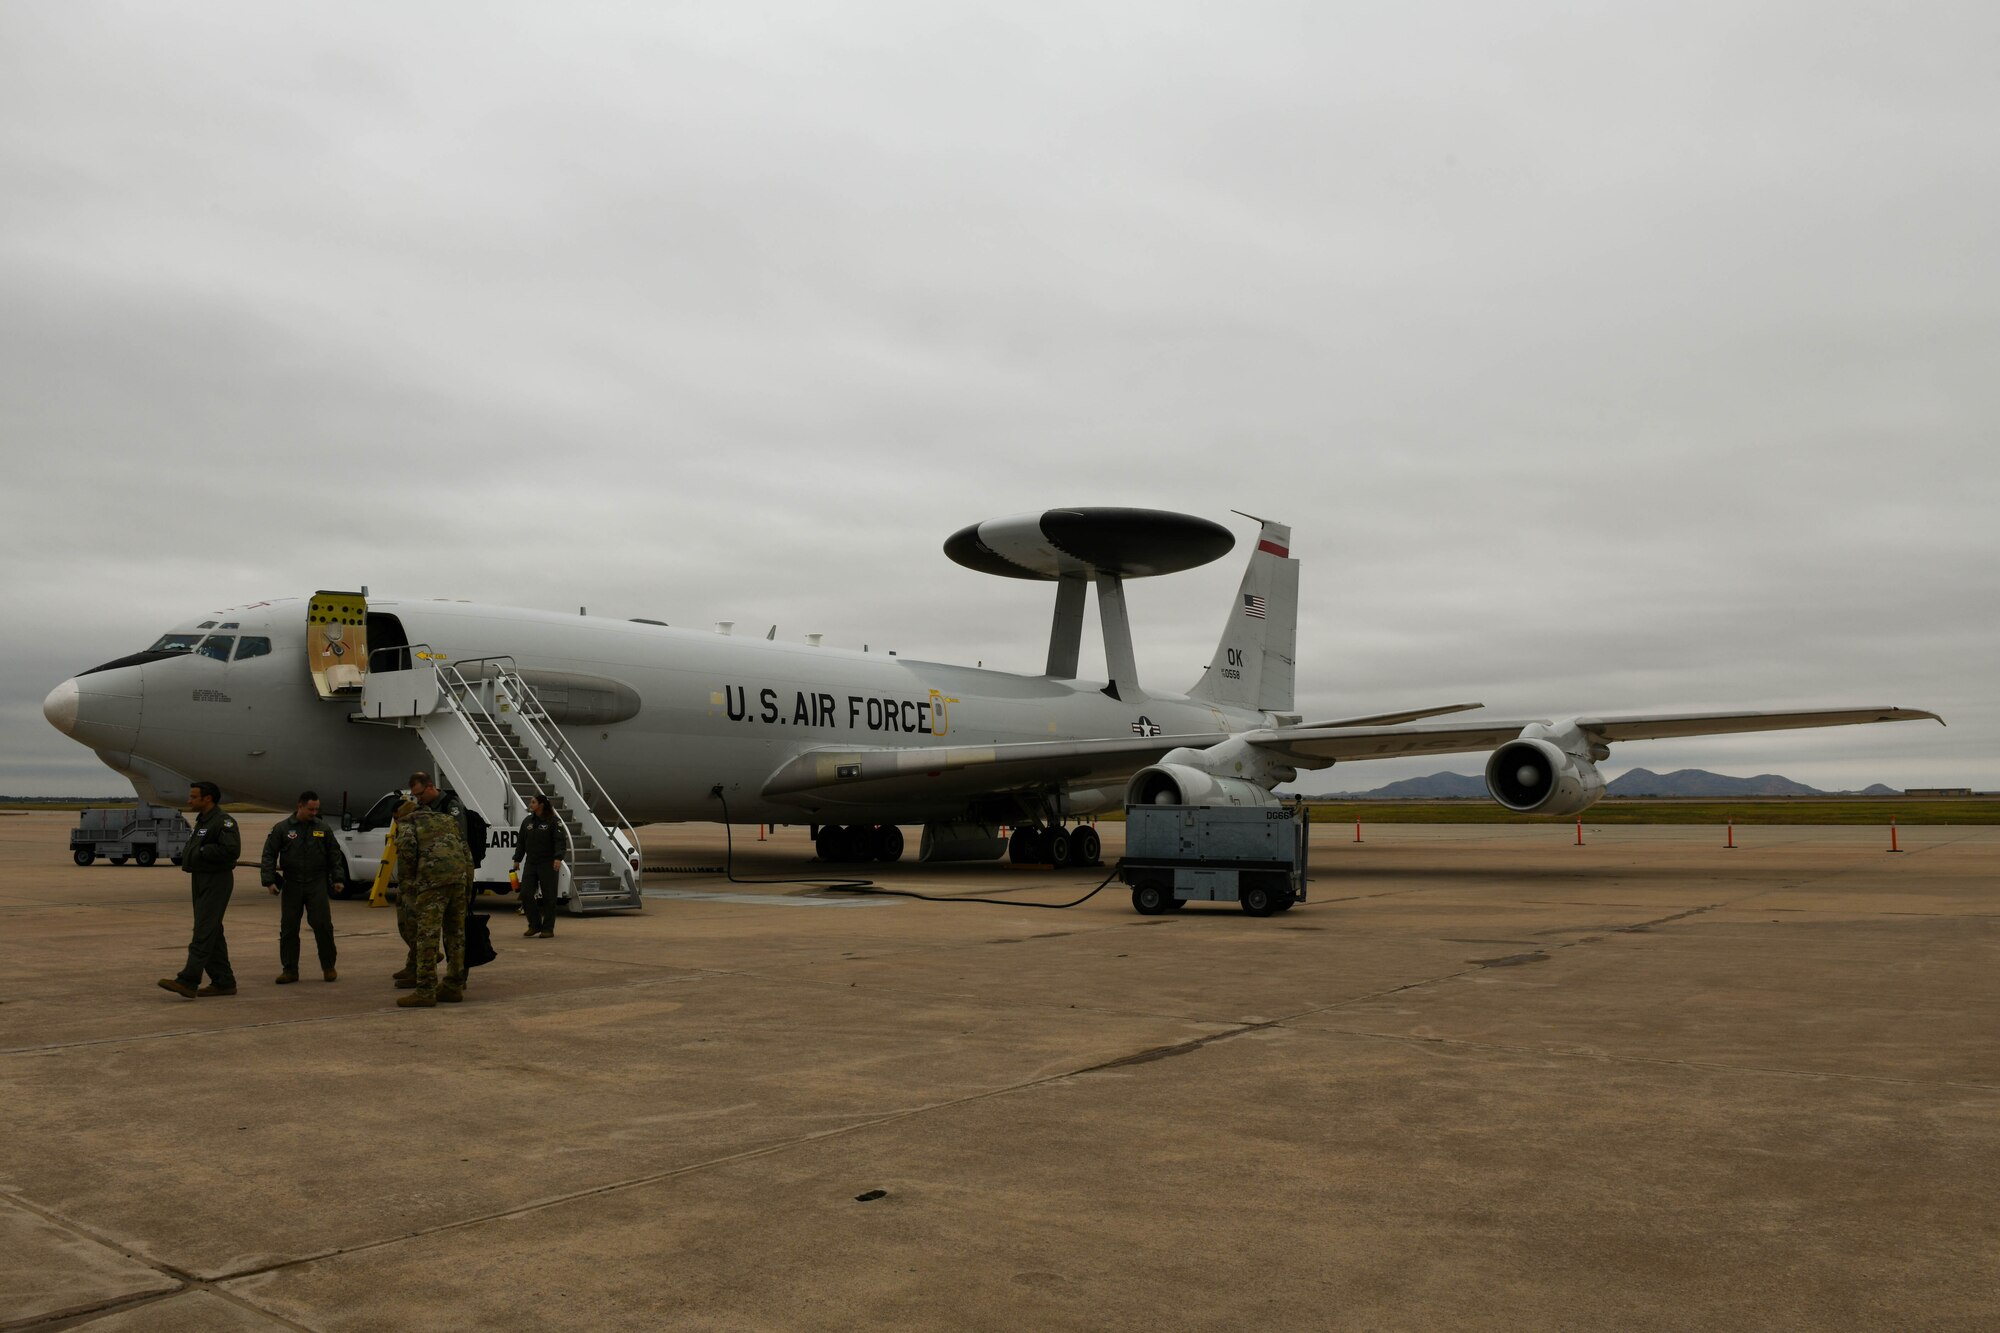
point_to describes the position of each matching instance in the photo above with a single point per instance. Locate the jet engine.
(1548, 771)
(1177, 784)
(1231, 773)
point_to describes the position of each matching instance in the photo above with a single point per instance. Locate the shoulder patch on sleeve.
(229, 823)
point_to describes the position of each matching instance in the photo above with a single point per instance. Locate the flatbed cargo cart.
(1254, 856)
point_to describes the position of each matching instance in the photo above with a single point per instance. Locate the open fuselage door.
(337, 643)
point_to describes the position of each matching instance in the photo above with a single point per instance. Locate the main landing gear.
(1057, 846)
(849, 844)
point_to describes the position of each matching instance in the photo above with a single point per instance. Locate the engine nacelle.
(1537, 776)
(1178, 784)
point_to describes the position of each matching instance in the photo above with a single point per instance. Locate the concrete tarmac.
(1482, 1079)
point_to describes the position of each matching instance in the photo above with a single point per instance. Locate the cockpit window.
(253, 645)
(206, 624)
(231, 624)
(216, 646)
(183, 642)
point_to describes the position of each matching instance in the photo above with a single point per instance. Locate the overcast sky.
(1602, 356)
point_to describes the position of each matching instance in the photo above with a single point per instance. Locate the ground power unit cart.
(1253, 856)
(142, 833)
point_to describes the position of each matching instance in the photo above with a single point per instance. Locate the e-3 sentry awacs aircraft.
(635, 721)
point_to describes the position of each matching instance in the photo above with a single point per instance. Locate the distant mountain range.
(1638, 782)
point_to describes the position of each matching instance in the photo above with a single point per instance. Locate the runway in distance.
(346, 693)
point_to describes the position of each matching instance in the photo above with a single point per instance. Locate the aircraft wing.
(1320, 745)
(888, 774)
(1648, 727)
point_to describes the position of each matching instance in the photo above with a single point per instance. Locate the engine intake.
(1177, 784)
(1538, 777)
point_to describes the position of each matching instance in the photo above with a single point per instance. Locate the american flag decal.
(1253, 605)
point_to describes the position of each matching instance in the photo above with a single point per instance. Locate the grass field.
(1975, 810)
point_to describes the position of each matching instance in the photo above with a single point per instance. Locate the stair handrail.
(452, 682)
(466, 697)
(528, 707)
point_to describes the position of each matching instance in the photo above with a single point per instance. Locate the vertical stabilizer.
(1254, 664)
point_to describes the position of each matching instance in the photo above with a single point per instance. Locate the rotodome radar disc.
(1127, 543)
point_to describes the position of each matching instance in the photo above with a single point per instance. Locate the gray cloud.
(1602, 360)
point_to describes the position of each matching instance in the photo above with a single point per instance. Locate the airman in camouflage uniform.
(427, 794)
(432, 866)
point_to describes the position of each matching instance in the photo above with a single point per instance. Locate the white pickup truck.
(362, 838)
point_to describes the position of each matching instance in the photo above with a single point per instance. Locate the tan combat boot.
(416, 999)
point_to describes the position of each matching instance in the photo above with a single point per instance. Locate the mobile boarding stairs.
(495, 745)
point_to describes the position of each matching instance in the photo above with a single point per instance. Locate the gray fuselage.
(662, 715)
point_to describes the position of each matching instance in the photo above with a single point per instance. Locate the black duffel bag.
(478, 940)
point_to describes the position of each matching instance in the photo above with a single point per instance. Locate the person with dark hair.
(302, 859)
(209, 861)
(539, 849)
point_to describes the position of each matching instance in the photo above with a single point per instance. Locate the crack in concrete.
(1608, 1057)
(184, 1281)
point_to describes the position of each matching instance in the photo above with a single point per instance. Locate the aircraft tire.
(827, 844)
(887, 842)
(83, 856)
(1056, 847)
(1086, 846)
(1067, 859)
(857, 843)
(145, 856)
(1022, 847)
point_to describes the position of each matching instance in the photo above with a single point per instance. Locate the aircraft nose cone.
(60, 708)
